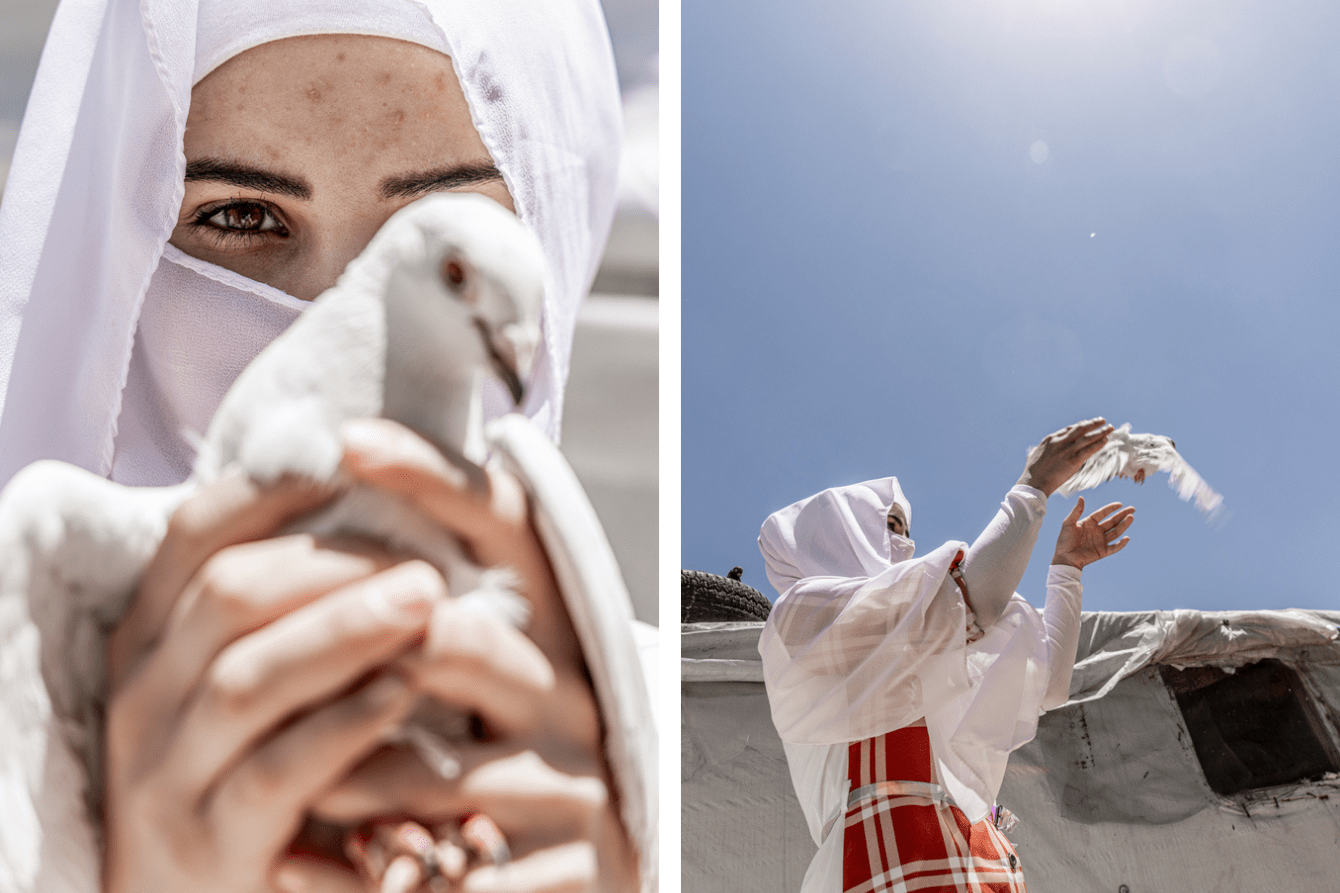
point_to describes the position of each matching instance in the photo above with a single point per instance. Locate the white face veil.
(841, 532)
(97, 182)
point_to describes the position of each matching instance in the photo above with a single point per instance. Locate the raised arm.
(1081, 542)
(996, 561)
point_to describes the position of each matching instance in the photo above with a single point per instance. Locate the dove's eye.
(239, 220)
(454, 272)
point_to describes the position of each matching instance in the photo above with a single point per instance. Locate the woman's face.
(897, 520)
(297, 151)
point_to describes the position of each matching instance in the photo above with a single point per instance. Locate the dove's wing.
(593, 591)
(1102, 466)
(72, 546)
(1188, 484)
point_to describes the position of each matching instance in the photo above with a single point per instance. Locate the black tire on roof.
(705, 597)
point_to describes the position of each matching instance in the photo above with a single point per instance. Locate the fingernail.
(405, 595)
(451, 860)
(290, 880)
(402, 876)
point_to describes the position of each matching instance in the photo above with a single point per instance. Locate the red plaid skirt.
(907, 836)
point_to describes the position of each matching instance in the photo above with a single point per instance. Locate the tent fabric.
(1116, 645)
(1110, 792)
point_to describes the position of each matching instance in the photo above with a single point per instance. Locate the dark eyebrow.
(247, 177)
(415, 185)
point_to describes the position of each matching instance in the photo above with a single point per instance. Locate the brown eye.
(241, 220)
(453, 272)
(245, 217)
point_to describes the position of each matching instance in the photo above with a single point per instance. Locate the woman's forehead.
(325, 97)
(309, 70)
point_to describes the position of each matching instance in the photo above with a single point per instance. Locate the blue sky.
(918, 235)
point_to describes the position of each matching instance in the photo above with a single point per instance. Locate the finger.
(1075, 512)
(239, 590)
(493, 521)
(1103, 512)
(567, 868)
(1114, 548)
(260, 804)
(1094, 428)
(485, 510)
(533, 802)
(394, 856)
(306, 874)
(232, 510)
(391, 781)
(481, 664)
(1079, 430)
(1122, 516)
(1123, 526)
(1093, 443)
(300, 659)
(404, 874)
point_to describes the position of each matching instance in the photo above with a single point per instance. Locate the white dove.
(453, 283)
(448, 291)
(1133, 456)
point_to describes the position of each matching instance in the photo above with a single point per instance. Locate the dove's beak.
(509, 357)
(513, 382)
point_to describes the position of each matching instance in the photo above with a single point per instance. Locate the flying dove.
(1134, 456)
(445, 298)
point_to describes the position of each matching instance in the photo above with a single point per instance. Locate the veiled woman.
(899, 685)
(188, 175)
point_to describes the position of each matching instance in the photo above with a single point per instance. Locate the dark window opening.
(1254, 728)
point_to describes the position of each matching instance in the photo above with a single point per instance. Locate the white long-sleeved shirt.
(968, 757)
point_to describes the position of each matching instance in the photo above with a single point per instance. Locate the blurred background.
(610, 427)
(919, 236)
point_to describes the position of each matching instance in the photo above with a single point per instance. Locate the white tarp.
(1110, 793)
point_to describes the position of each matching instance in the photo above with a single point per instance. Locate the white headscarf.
(803, 540)
(863, 641)
(97, 182)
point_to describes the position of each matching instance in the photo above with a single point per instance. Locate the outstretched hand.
(1097, 536)
(1054, 461)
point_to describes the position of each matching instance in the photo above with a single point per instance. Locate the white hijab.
(841, 532)
(97, 181)
(865, 639)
